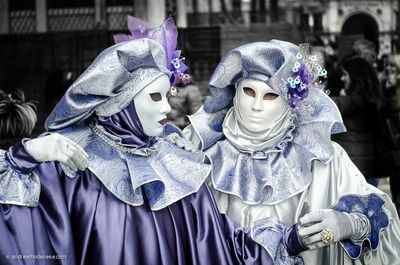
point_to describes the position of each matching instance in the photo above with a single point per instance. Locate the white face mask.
(152, 106)
(259, 105)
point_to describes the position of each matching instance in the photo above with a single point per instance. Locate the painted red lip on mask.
(163, 121)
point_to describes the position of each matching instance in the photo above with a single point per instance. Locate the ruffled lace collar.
(159, 175)
(274, 174)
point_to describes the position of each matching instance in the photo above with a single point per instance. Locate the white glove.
(181, 142)
(341, 225)
(55, 147)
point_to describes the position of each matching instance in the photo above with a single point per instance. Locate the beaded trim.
(120, 147)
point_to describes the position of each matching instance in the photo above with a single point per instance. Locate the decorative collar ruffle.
(275, 174)
(159, 175)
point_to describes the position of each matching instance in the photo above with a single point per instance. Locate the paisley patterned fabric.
(162, 174)
(16, 187)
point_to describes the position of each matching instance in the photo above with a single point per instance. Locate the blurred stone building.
(345, 21)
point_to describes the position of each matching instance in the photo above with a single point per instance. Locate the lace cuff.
(19, 186)
(370, 206)
(282, 243)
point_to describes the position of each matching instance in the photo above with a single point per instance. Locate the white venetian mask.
(259, 106)
(152, 106)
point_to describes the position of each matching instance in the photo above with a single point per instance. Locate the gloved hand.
(55, 147)
(336, 225)
(181, 142)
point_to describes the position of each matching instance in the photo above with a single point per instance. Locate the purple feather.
(118, 38)
(138, 28)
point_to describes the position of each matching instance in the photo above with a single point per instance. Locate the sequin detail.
(307, 73)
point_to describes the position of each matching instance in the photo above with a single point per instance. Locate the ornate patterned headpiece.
(166, 35)
(289, 69)
(118, 73)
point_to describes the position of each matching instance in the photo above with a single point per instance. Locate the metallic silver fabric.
(248, 141)
(275, 174)
(109, 84)
(165, 172)
(18, 188)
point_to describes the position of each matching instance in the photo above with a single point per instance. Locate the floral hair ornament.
(184, 79)
(166, 35)
(306, 72)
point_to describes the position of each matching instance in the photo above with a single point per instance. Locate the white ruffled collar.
(274, 174)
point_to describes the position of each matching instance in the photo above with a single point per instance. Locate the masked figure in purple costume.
(137, 198)
(266, 128)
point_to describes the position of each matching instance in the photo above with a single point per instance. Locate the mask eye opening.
(155, 96)
(270, 96)
(249, 91)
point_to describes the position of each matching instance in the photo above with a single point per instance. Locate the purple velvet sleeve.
(243, 248)
(19, 159)
(292, 241)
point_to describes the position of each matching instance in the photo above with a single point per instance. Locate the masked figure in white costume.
(266, 128)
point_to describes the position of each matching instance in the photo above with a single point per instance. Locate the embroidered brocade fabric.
(160, 175)
(16, 187)
(372, 207)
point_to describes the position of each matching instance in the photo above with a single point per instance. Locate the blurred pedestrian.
(338, 80)
(390, 120)
(365, 49)
(187, 100)
(359, 108)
